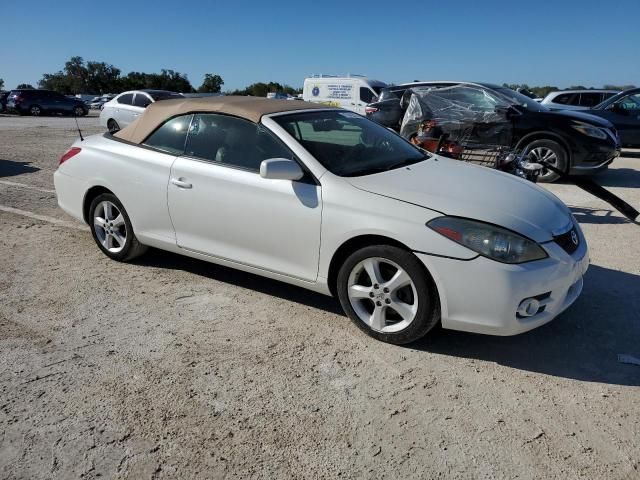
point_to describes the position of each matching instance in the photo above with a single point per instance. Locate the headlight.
(590, 131)
(488, 240)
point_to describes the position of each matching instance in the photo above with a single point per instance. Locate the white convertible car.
(325, 199)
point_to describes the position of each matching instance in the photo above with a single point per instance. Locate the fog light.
(528, 307)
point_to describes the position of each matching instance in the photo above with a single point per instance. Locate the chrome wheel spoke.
(406, 311)
(118, 221)
(372, 267)
(378, 319)
(359, 291)
(107, 211)
(118, 238)
(399, 280)
(99, 222)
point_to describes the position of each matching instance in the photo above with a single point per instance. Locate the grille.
(566, 241)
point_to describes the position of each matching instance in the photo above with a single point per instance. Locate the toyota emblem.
(574, 237)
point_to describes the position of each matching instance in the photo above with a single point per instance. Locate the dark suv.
(574, 142)
(41, 102)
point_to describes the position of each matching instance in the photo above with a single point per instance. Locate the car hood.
(581, 116)
(460, 189)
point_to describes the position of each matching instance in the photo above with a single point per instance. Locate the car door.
(221, 206)
(122, 109)
(625, 115)
(140, 102)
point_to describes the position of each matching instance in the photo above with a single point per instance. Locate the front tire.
(35, 110)
(112, 230)
(388, 294)
(79, 112)
(550, 152)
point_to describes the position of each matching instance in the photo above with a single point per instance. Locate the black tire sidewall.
(428, 314)
(113, 122)
(123, 254)
(561, 155)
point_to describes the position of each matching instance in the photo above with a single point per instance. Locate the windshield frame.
(278, 126)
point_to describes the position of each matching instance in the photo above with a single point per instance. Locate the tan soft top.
(251, 108)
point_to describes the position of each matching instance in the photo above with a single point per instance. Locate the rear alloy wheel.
(78, 111)
(112, 230)
(387, 292)
(113, 126)
(547, 151)
(35, 110)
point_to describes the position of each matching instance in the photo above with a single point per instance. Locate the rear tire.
(113, 126)
(551, 152)
(111, 229)
(79, 112)
(387, 292)
(35, 110)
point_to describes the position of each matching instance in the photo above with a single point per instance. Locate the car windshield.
(520, 100)
(164, 95)
(348, 144)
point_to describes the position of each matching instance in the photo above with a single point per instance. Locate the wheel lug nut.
(387, 301)
(385, 290)
(371, 294)
(379, 303)
(376, 286)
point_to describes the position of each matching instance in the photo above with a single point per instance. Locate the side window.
(126, 99)
(171, 136)
(590, 99)
(630, 102)
(564, 99)
(232, 141)
(141, 100)
(366, 95)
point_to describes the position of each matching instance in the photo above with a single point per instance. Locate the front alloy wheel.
(388, 293)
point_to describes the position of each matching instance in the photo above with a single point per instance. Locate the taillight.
(18, 98)
(72, 152)
(370, 109)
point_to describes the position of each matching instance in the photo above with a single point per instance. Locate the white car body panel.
(290, 231)
(238, 215)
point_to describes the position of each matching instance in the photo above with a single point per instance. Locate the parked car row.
(40, 102)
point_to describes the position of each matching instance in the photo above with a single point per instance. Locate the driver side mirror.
(507, 111)
(280, 169)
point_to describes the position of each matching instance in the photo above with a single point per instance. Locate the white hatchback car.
(325, 199)
(120, 111)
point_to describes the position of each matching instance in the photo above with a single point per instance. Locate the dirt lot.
(174, 368)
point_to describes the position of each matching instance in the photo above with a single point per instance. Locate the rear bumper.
(482, 296)
(70, 192)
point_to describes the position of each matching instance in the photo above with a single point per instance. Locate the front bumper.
(482, 295)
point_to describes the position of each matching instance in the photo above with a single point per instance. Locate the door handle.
(179, 182)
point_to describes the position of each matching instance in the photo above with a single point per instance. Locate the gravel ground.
(175, 368)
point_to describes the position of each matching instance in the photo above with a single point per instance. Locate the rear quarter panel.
(137, 176)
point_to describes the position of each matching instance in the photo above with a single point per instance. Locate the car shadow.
(275, 288)
(9, 168)
(619, 177)
(582, 343)
(601, 216)
(630, 154)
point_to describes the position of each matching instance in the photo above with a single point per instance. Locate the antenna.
(78, 126)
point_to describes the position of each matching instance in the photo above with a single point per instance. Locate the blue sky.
(560, 43)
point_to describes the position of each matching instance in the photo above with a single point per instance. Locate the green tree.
(25, 85)
(1, 84)
(211, 83)
(165, 80)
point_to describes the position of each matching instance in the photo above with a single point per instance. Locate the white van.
(353, 92)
